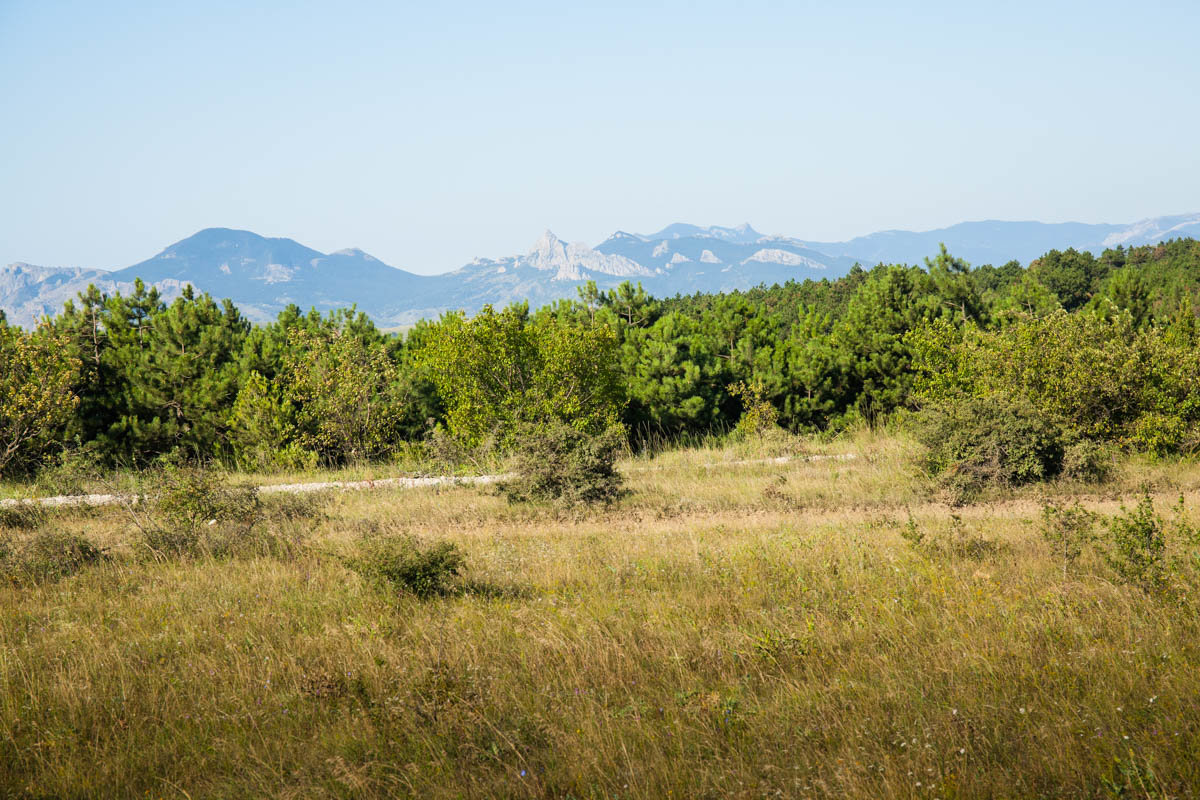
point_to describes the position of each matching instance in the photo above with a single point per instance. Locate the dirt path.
(69, 500)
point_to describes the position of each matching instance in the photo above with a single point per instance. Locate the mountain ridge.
(262, 275)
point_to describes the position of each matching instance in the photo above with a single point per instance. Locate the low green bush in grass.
(559, 464)
(47, 555)
(403, 563)
(982, 442)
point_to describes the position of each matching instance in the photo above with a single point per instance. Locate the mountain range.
(262, 275)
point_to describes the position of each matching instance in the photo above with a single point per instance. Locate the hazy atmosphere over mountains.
(263, 275)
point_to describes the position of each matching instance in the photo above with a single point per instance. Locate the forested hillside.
(1106, 346)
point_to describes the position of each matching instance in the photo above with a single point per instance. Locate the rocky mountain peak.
(577, 261)
(547, 251)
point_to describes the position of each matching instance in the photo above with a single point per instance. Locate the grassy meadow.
(819, 628)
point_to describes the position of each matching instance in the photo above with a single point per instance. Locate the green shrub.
(74, 471)
(400, 562)
(913, 534)
(1102, 375)
(560, 464)
(1160, 434)
(446, 452)
(189, 510)
(346, 396)
(500, 371)
(1138, 545)
(759, 416)
(979, 442)
(49, 555)
(293, 457)
(37, 401)
(1088, 461)
(262, 423)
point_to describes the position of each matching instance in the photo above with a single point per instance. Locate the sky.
(431, 133)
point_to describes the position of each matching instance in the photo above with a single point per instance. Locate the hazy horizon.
(523, 250)
(430, 136)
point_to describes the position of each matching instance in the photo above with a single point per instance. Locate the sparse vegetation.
(187, 509)
(46, 555)
(76, 469)
(697, 638)
(759, 418)
(1068, 530)
(23, 516)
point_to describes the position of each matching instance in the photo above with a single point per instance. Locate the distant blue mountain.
(995, 242)
(263, 275)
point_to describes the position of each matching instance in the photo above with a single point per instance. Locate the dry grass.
(753, 631)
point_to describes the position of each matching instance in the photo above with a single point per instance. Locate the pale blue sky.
(430, 133)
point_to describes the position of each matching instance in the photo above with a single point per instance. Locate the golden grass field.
(724, 631)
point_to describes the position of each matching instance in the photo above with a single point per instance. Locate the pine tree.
(180, 374)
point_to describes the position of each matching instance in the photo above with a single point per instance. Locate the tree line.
(1105, 345)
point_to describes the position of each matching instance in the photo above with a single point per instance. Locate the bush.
(977, 442)
(190, 510)
(500, 371)
(345, 393)
(1088, 461)
(23, 516)
(1102, 375)
(759, 416)
(49, 555)
(37, 373)
(192, 496)
(560, 464)
(262, 426)
(74, 471)
(292, 457)
(1139, 541)
(1161, 434)
(1138, 545)
(446, 452)
(401, 562)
